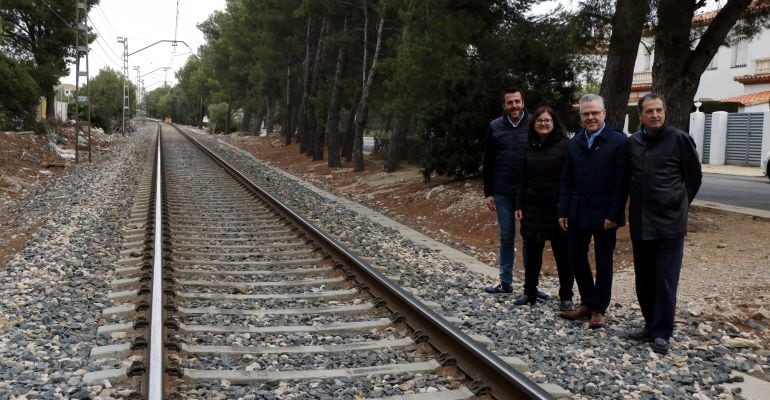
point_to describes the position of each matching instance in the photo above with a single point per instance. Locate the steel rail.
(487, 369)
(155, 370)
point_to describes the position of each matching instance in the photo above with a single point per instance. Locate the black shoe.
(542, 296)
(524, 299)
(660, 346)
(499, 288)
(566, 305)
(640, 335)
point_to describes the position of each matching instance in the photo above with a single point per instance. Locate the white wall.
(716, 84)
(719, 83)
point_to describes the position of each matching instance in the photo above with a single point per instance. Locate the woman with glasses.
(537, 206)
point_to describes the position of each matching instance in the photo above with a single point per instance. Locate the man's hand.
(564, 223)
(519, 215)
(490, 202)
(609, 225)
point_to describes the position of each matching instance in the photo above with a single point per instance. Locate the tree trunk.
(314, 126)
(268, 111)
(627, 24)
(677, 69)
(50, 111)
(258, 118)
(288, 129)
(396, 145)
(350, 130)
(363, 108)
(306, 77)
(335, 103)
(229, 112)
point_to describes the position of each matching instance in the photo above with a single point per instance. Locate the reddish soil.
(27, 162)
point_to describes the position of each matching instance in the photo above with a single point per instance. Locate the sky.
(142, 23)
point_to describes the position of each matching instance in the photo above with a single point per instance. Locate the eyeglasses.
(543, 121)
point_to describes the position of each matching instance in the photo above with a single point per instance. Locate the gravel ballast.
(54, 289)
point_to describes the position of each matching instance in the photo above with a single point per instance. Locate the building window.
(739, 53)
(714, 62)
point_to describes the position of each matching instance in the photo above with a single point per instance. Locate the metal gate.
(744, 138)
(707, 139)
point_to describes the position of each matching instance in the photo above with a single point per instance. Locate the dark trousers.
(593, 294)
(533, 261)
(657, 264)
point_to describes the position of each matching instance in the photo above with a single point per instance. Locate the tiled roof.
(750, 99)
(752, 79)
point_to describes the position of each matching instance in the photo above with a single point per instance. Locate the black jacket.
(665, 175)
(505, 147)
(538, 194)
(593, 181)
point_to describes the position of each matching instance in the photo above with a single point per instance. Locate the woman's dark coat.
(538, 194)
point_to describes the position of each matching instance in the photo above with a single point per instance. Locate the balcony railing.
(643, 77)
(762, 66)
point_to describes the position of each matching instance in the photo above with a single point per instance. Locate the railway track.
(223, 291)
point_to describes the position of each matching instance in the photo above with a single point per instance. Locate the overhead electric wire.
(99, 35)
(112, 60)
(57, 14)
(106, 20)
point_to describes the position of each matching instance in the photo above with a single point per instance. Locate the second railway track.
(259, 303)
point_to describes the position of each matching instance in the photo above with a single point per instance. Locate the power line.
(105, 19)
(57, 14)
(112, 60)
(99, 35)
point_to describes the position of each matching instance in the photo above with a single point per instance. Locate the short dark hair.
(649, 96)
(557, 124)
(511, 89)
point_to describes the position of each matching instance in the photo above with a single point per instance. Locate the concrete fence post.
(697, 131)
(765, 133)
(718, 145)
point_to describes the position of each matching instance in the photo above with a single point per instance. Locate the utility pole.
(136, 92)
(81, 50)
(125, 78)
(144, 103)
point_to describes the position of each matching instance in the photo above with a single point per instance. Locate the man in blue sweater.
(592, 201)
(505, 149)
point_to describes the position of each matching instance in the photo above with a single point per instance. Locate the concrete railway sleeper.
(246, 296)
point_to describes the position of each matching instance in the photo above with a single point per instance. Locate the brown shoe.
(579, 313)
(598, 320)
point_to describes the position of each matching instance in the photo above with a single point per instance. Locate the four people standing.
(665, 175)
(573, 191)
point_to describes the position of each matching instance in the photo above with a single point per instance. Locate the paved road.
(741, 191)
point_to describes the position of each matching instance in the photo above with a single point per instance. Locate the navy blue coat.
(505, 150)
(593, 181)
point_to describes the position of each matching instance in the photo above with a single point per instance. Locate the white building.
(738, 73)
(66, 89)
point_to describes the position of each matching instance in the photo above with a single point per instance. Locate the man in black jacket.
(592, 201)
(505, 149)
(665, 175)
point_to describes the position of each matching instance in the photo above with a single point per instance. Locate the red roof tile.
(750, 99)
